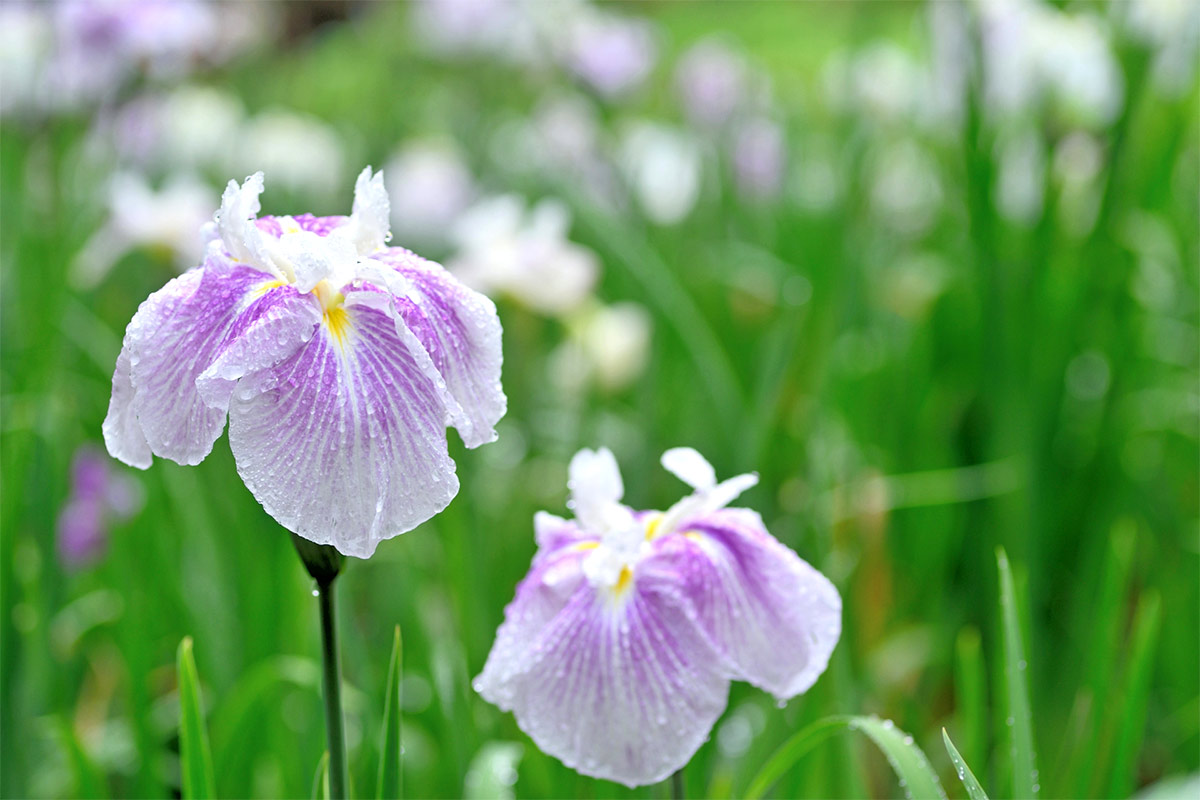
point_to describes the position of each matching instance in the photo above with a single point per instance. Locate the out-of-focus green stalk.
(332, 684)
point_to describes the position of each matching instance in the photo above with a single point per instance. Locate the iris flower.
(338, 361)
(617, 652)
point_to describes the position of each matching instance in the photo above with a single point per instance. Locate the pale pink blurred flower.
(711, 81)
(759, 158)
(612, 54)
(430, 186)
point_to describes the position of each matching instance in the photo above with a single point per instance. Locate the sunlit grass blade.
(388, 786)
(1016, 691)
(970, 682)
(907, 760)
(969, 781)
(320, 785)
(1135, 695)
(194, 756)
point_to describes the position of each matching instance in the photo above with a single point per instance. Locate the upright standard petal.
(369, 222)
(344, 442)
(174, 336)
(594, 480)
(461, 331)
(618, 684)
(771, 614)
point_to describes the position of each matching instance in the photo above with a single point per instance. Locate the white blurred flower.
(26, 38)
(505, 250)
(1077, 164)
(299, 153)
(430, 185)
(1021, 161)
(711, 81)
(885, 80)
(606, 345)
(560, 138)
(1034, 53)
(1172, 28)
(190, 127)
(613, 54)
(759, 158)
(663, 167)
(905, 191)
(167, 221)
(514, 31)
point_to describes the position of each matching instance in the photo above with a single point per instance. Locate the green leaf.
(388, 787)
(1135, 695)
(970, 681)
(320, 784)
(194, 756)
(1016, 691)
(974, 790)
(917, 777)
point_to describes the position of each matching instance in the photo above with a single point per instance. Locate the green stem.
(332, 680)
(677, 789)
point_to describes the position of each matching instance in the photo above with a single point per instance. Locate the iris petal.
(461, 331)
(173, 337)
(344, 442)
(618, 685)
(774, 617)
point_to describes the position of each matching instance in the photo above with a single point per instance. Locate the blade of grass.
(970, 681)
(1135, 695)
(969, 781)
(194, 756)
(916, 776)
(1103, 613)
(320, 784)
(388, 786)
(1016, 692)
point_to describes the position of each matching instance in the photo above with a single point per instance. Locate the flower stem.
(677, 788)
(324, 563)
(332, 680)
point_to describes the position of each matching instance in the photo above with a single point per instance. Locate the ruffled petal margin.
(173, 337)
(461, 332)
(774, 617)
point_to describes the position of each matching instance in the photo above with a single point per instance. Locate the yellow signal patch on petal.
(624, 581)
(338, 322)
(264, 287)
(652, 526)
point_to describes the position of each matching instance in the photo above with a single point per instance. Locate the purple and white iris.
(338, 361)
(617, 652)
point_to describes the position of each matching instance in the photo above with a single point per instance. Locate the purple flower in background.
(99, 496)
(759, 158)
(711, 80)
(612, 54)
(617, 652)
(338, 361)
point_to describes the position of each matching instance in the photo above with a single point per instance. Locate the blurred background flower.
(101, 494)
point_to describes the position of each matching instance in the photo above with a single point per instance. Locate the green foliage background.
(899, 438)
